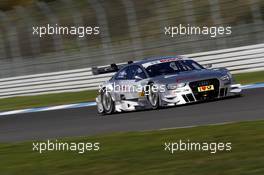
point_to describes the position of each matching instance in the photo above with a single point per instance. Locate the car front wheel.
(108, 103)
(153, 97)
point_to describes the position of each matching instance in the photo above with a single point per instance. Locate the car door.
(137, 77)
(128, 82)
(120, 83)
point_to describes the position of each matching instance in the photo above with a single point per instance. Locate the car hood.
(189, 76)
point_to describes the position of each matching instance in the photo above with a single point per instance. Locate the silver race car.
(160, 82)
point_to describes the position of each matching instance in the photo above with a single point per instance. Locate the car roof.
(151, 59)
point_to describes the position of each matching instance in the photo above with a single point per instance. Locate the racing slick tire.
(107, 103)
(153, 97)
(100, 109)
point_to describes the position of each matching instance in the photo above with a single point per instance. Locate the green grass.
(84, 96)
(46, 100)
(252, 77)
(143, 153)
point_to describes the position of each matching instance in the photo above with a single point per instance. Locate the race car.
(160, 82)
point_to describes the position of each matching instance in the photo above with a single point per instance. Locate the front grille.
(207, 94)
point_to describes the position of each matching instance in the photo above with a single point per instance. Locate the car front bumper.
(186, 95)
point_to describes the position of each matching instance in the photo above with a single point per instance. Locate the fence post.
(3, 45)
(188, 11)
(11, 35)
(103, 24)
(162, 17)
(29, 23)
(57, 39)
(190, 19)
(217, 19)
(133, 27)
(256, 11)
(77, 20)
(257, 19)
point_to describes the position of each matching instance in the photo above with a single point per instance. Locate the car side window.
(185, 66)
(137, 71)
(123, 74)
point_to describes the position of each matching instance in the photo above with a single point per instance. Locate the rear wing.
(108, 69)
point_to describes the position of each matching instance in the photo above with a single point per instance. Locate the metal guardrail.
(237, 60)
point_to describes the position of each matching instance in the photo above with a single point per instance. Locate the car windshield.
(172, 67)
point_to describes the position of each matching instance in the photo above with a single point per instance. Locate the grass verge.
(84, 96)
(143, 153)
(252, 77)
(46, 100)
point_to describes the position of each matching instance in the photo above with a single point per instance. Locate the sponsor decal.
(169, 60)
(205, 88)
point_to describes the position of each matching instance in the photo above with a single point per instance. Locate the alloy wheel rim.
(107, 101)
(153, 98)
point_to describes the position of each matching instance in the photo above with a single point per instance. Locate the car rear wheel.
(100, 108)
(108, 103)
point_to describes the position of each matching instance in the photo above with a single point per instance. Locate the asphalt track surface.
(85, 121)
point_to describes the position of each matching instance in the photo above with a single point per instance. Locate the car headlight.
(230, 75)
(175, 86)
(225, 78)
(171, 86)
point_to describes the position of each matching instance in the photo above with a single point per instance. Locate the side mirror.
(208, 66)
(138, 78)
